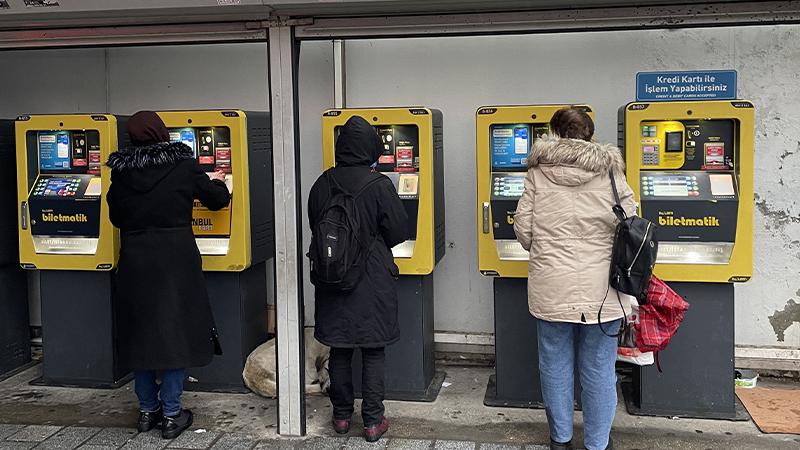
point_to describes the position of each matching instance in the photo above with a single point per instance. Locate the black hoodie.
(367, 316)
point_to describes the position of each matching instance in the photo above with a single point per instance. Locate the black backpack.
(338, 255)
(634, 253)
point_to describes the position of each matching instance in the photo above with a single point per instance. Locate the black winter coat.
(160, 292)
(366, 316)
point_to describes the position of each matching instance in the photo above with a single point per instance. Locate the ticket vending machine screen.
(64, 200)
(211, 147)
(689, 187)
(509, 145)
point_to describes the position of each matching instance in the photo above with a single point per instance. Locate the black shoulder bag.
(633, 256)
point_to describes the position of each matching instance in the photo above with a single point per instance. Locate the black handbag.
(634, 251)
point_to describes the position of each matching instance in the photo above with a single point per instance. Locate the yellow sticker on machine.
(211, 223)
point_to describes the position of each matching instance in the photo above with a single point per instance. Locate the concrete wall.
(457, 75)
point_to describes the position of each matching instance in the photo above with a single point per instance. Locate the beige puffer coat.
(564, 219)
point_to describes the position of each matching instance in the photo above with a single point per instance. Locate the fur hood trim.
(589, 156)
(155, 155)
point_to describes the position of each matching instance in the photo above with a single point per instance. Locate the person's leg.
(372, 385)
(171, 391)
(146, 390)
(341, 388)
(556, 370)
(597, 356)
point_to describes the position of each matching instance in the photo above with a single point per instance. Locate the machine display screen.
(508, 186)
(670, 185)
(57, 187)
(54, 150)
(185, 135)
(510, 145)
(674, 141)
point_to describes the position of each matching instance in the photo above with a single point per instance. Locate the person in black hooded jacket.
(366, 317)
(166, 322)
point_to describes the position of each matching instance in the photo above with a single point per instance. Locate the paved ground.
(56, 418)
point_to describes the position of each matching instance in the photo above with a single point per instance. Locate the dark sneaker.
(373, 433)
(559, 446)
(149, 420)
(174, 426)
(341, 426)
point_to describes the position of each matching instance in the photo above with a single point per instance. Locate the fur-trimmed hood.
(573, 161)
(148, 156)
(142, 168)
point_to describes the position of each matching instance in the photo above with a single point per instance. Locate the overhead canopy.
(28, 14)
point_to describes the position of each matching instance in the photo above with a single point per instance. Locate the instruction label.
(699, 85)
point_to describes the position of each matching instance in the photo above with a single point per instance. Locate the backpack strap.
(334, 183)
(374, 177)
(618, 210)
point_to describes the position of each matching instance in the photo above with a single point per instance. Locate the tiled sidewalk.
(21, 437)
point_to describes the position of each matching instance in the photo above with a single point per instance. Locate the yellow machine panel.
(413, 160)
(691, 167)
(237, 143)
(504, 136)
(61, 186)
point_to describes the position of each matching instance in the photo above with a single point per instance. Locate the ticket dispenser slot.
(505, 136)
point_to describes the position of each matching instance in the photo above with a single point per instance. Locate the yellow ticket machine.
(65, 233)
(414, 160)
(15, 345)
(691, 167)
(237, 241)
(505, 136)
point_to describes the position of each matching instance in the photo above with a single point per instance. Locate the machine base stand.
(239, 303)
(698, 366)
(740, 414)
(18, 370)
(15, 333)
(41, 381)
(516, 382)
(410, 362)
(429, 395)
(491, 400)
(78, 331)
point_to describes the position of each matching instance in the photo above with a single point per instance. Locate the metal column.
(283, 62)
(339, 74)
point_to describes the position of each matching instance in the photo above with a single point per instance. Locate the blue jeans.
(170, 390)
(597, 356)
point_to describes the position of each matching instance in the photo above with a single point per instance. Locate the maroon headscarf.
(147, 128)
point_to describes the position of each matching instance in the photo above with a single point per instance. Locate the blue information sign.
(698, 85)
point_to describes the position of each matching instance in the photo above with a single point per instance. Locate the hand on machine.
(222, 176)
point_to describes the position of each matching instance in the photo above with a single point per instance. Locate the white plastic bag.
(629, 353)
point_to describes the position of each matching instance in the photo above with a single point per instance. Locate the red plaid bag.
(659, 317)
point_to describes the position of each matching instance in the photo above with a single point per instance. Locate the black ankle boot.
(559, 446)
(149, 420)
(174, 426)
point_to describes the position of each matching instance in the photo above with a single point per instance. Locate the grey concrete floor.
(457, 415)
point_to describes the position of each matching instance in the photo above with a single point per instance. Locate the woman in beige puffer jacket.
(564, 219)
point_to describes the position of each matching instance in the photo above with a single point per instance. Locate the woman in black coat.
(365, 317)
(165, 323)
